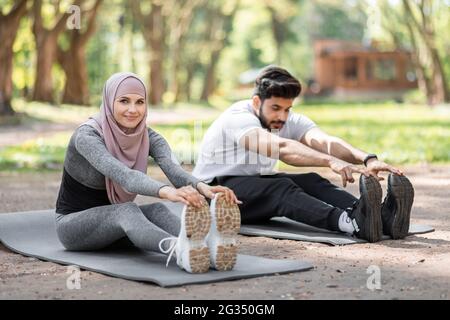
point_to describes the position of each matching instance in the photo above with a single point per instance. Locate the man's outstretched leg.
(395, 209)
(266, 197)
(317, 186)
(361, 216)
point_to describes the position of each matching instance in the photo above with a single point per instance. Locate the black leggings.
(307, 198)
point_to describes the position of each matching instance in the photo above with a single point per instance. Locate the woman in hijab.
(104, 170)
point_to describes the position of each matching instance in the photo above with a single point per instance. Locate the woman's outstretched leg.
(162, 217)
(98, 227)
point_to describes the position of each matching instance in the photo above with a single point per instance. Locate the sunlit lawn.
(399, 134)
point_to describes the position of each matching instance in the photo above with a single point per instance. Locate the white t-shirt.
(220, 153)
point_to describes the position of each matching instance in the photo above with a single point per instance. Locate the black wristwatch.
(368, 157)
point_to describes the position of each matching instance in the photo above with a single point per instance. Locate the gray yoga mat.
(284, 228)
(33, 234)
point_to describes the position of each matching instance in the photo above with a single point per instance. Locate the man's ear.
(256, 102)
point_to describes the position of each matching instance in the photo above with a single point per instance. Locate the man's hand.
(187, 195)
(374, 166)
(210, 191)
(346, 170)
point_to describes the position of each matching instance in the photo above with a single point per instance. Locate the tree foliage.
(191, 50)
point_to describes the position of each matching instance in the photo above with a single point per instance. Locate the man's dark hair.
(274, 81)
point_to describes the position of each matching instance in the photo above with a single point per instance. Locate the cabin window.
(351, 68)
(381, 69)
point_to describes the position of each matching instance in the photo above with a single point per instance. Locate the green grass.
(399, 134)
(35, 154)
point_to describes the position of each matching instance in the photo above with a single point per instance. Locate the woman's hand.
(210, 191)
(187, 195)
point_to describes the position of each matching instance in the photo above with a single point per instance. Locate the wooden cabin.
(349, 70)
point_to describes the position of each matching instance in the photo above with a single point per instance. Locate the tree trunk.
(209, 82)
(73, 62)
(46, 54)
(187, 84)
(46, 47)
(9, 25)
(156, 42)
(439, 83)
(6, 59)
(156, 75)
(423, 80)
(153, 30)
(177, 81)
(220, 24)
(176, 48)
(278, 32)
(179, 22)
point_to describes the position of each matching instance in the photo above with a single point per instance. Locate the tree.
(335, 20)
(424, 26)
(392, 21)
(9, 24)
(411, 25)
(46, 46)
(220, 25)
(73, 60)
(153, 29)
(280, 14)
(180, 20)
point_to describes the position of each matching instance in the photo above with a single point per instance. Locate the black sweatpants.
(307, 198)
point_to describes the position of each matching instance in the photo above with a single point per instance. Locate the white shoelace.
(172, 247)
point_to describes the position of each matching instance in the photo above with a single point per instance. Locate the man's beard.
(266, 124)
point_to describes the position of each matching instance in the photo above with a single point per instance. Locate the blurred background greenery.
(200, 56)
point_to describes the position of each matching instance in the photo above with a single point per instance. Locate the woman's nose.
(132, 108)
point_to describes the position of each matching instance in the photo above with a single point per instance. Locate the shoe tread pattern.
(197, 224)
(228, 223)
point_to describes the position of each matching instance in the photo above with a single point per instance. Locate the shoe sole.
(197, 222)
(402, 190)
(228, 223)
(371, 190)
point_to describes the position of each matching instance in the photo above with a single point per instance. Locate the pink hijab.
(130, 149)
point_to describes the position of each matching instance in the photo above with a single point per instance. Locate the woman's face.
(129, 110)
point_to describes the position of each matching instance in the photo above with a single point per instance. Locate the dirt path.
(416, 267)
(13, 135)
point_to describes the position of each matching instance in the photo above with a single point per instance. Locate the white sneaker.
(221, 239)
(190, 247)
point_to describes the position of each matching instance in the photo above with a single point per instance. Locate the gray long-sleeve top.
(89, 162)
